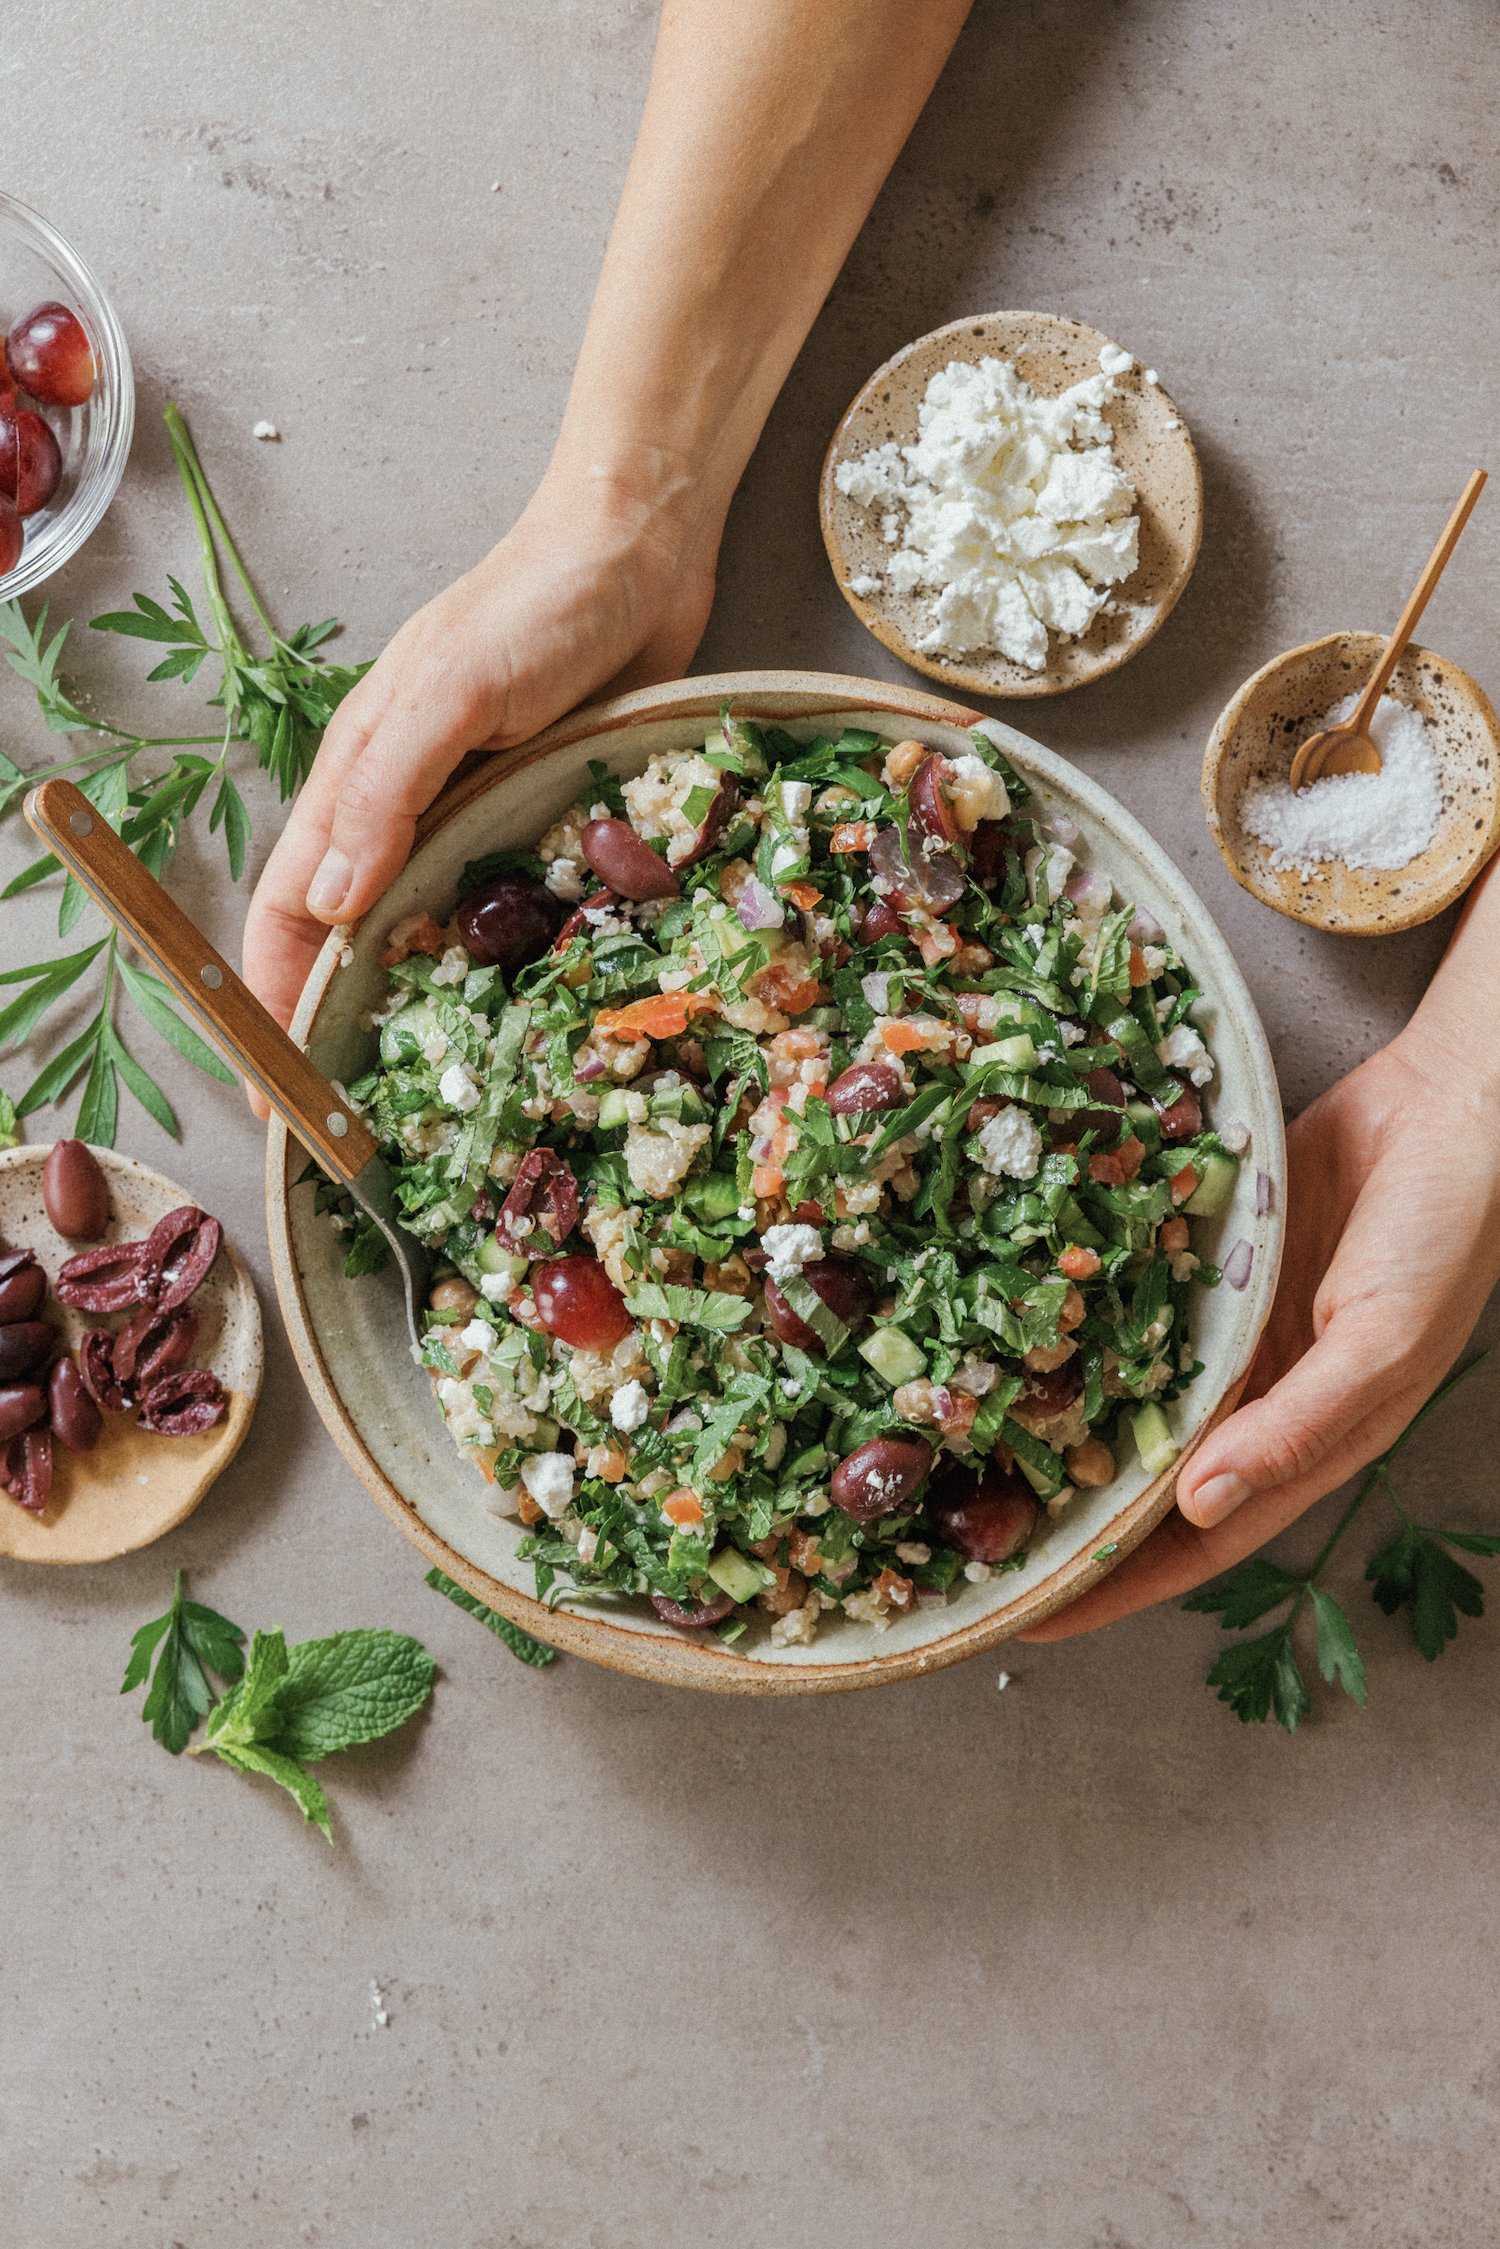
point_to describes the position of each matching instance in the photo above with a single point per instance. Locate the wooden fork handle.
(1358, 721)
(204, 983)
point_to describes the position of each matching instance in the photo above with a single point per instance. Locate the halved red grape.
(841, 1284)
(1182, 1118)
(881, 920)
(578, 1303)
(49, 355)
(30, 458)
(932, 817)
(698, 1617)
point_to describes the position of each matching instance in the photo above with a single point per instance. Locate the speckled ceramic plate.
(1152, 446)
(350, 1338)
(133, 1486)
(1276, 711)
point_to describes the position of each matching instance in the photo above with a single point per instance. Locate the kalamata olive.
(879, 1477)
(715, 820)
(987, 848)
(865, 1087)
(1106, 1089)
(26, 1469)
(152, 1343)
(11, 1261)
(1050, 1393)
(842, 1285)
(106, 1279)
(178, 1256)
(578, 1302)
(510, 921)
(76, 1420)
(22, 1294)
(988, 1517)
(626, 861)
(542, 1206)
(1183, 1117)
(695, 1619)
(96, 1360)
(21, 1405)
(24, 1344)
(75, 1191)
(184, 1404)
(578, 921)
(932, 818)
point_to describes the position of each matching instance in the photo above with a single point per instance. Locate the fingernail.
(330, 885)
(1220, 1496)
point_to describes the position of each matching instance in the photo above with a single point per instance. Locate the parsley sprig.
(281, 1709)
(1416, 1571)
(273, 701)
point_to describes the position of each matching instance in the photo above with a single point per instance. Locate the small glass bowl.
(36, 265)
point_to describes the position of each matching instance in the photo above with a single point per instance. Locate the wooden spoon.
(1348, 747)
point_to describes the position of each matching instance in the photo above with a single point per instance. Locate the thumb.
(1343, 1402)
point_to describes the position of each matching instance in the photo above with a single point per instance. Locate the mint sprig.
(534, 1652)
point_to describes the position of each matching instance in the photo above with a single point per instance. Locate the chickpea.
(1046, 1358)
(902, 762)
(1090, 1464)
(780, 1599)
(455, 1294)
(1073, 1310)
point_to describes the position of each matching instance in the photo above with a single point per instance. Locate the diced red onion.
(591, 1067)
(1062, 829)
(1262, 1193)
(1145, 929)
(877, 990)
(1088, 887)
(1238, 1263)
(757, 908)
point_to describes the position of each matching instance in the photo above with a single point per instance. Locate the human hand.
(601, 582)
(1391, 1251)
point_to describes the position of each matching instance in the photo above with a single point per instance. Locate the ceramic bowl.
(1276, 711)
(350, 1338)
(133, 1487)
(1152, 446)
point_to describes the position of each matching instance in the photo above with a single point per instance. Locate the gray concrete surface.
(1082, 1966)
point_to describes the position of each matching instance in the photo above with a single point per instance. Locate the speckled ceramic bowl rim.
(792, 697)
(1016, 686)
(1440, 895)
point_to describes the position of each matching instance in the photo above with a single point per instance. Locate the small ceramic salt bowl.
(1287, 700)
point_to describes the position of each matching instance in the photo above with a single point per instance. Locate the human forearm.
(768, 130)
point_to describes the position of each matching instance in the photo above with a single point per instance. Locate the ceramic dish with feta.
(813, 1146)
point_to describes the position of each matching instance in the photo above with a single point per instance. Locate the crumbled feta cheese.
(588, 1543)
(864, 585)
(1017, 516)
(267, 432)
(789, 1248)
(548, 1476)
(1182, 1049)
(629, 1407)
(1235, 1136)
(459, 1089)
(1073, 1034)
(453, 967)
(477, 1336)
(1009, 1145)
(976, 1572)
(1059, 863)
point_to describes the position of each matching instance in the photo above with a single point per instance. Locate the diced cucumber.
(716, 1195)
(807, 1462)
(893, 1355)
(1015, 1053)
(1215, 1185)
(737, 1575)
(613, 1107)
(1145, 1123)
(401, 1039)
(825, 1019)
(681, 1102)
(491, 1258)
(1154, 1441)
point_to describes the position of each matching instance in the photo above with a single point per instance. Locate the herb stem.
(206, 508)
(230, 644)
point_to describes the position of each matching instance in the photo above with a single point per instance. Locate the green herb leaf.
(254, 1757)
(1260, 1678)
(520, 1643)
(9, 1137)
(192, 1640)
(1338, 1657)
(1416, 1572)
(153, 999)
(351, 1687)
(1246, 1593)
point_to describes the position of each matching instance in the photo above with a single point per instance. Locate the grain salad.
(811, 1142)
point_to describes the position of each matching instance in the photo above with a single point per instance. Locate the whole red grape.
(50, 356)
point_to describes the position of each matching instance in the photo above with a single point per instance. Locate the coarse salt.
(1383, 819)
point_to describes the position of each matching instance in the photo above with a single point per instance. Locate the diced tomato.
(852, 835)
(1113, 1167)
(684, 1510)
(804, 895)
(1173, 1234)
(665, 1015)
(611, 1469)
(903, 1038)
(1139, 973)
(788, 989)
(1183, 1183)
(1079, 1263)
